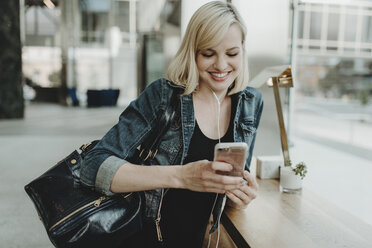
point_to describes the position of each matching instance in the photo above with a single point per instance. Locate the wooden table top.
(276, 219)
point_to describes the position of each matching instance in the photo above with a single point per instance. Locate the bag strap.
(150, 147)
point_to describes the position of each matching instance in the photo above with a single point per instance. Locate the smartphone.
(234, 154)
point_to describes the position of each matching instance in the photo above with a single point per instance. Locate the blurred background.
(68, 68)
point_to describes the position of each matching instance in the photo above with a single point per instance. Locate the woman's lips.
(219, 76)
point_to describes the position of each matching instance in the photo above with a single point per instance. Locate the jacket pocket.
(248, 129)
(170, 147)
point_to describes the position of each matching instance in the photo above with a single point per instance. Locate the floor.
(30, 146)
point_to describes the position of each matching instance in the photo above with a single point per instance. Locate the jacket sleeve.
(120, 142)
(258, 113)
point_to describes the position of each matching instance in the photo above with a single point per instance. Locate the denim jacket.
(139, 118)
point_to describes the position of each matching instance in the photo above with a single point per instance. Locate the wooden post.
(283, 134)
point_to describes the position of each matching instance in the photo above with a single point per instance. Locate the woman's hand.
(240, 198)
(203, 176)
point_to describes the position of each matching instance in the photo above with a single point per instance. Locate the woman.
(210, 68)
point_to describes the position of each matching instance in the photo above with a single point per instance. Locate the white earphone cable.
(219, 141)
(218, 115)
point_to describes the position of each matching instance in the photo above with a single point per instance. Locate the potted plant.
(291, 177)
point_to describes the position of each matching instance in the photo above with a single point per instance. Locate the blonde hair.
(206, 29)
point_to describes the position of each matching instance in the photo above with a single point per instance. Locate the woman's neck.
(207, 94)
(213, 116)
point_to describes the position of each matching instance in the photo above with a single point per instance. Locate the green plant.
(288, 162)
(300, 169)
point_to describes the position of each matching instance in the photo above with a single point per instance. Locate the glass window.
(350, 27)
(315, 25)
(333, 22)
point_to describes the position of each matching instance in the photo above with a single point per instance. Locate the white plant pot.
(289, 181)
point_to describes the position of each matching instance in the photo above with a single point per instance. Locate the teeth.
(219, 75)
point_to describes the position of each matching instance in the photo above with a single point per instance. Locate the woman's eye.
(232, 54)
(207, 55)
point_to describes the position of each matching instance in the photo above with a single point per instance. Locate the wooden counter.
(280, 220)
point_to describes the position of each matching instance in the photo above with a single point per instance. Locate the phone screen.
(233, 154)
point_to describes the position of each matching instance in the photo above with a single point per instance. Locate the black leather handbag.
(75, 216)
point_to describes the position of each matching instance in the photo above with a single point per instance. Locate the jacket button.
(73, 161)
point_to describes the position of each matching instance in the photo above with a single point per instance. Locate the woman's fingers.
(210, 173)
(221, 166)
(245, 194)
(251, 180)
(235, 201)
(221, 183)
(240, 198)
(203, 176)
(222, 188)
(227, 180)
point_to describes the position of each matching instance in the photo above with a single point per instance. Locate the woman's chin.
(221, 86)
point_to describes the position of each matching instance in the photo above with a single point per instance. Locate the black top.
(188, 229)
(184, 213)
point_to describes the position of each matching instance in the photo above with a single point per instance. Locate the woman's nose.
(220, 63)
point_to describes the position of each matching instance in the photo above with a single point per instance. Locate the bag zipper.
(96, 203)
(158, 218)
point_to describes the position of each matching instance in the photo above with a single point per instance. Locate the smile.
(219, 76)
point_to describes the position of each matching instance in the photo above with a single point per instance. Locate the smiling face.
(220, 65)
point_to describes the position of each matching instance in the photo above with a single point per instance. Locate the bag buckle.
(85, 146)
(150, 154)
